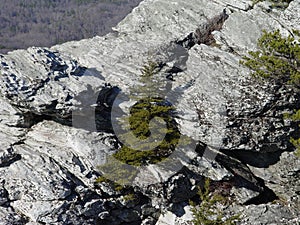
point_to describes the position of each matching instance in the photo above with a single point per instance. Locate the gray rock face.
(57, 128)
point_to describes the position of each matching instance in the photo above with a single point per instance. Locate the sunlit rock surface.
(56, 120)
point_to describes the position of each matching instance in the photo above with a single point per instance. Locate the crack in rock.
(203, 34)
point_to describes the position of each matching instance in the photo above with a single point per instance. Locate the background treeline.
(25, 23)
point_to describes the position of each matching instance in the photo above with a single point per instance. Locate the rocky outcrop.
(57, 128)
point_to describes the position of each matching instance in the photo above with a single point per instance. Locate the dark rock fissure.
(256, 159)
(30, 119)
(203, 35)
(9, 157)
(243, 177)
(235, 162)
(266, 196)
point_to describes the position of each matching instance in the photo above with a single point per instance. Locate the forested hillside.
(28, 23)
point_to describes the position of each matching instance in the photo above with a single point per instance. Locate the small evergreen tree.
(207, 212)
(149, 105)
(121, 168)
(278, 59)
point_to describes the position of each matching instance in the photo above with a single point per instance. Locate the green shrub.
(102, 179)
(116, 186)
(296, 143)
(149, 106)
(278, 60)
(130, 197)
(207, 212)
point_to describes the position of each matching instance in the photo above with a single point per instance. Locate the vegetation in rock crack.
(116, 174)
(126, 192)
(129, 197)
(278, 59)
(207, 212)
(114, 185)
(149, 105)
(276, 3)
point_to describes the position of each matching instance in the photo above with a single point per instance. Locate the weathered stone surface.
(291, 15)
(283, 179)
(268, 214)
(242, 195)
(170, 218)
(9, 216)
(55, 119)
